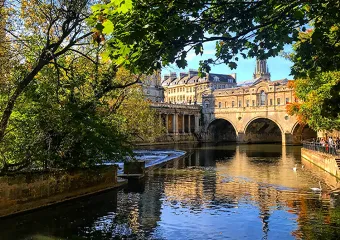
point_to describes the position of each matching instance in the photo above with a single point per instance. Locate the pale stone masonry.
(188, 88)
(152, 88)
(254, 111)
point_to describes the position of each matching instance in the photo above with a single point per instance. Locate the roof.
(253, 82)
(192, 77)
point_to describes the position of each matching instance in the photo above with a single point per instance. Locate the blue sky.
(279, 67)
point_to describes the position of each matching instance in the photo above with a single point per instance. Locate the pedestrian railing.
(332, 149)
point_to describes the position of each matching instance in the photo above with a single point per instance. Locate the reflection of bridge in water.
(243, 175)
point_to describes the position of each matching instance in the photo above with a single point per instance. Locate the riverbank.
(29, 191)
(324, 161)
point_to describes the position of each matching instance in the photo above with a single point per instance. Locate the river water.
(216, 192)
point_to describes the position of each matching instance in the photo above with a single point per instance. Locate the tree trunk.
(13, 98)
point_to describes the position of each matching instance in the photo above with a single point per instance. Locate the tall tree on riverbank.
(316, 60)
(153, 33)
(55, 108)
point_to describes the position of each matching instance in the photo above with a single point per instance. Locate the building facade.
(152, 88)
(188, 88)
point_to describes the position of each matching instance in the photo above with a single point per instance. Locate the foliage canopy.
(61, 103)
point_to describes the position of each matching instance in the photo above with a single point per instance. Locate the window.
(253, 103)
(287, 100)
(247, 103)
(262, 98)
(278, 101)
(232, 104)
(240, 103)
(225, 104)
(219, 105)
(271, 102)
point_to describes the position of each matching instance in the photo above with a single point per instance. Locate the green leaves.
(108, 27)
(158, 32)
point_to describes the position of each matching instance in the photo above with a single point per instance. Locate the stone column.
(183, 123)
(240, 138)
(189, 124)
(287, 139)
(196, 124)
(175, 123)
(167, 123)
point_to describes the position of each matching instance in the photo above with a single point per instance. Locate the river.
(216, 192)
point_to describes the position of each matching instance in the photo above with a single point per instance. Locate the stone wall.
(27, 191)
(322, 160)
(169, 139)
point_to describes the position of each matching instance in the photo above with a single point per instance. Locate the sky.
(279, 67)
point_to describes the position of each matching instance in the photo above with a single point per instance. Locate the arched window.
(262, 98)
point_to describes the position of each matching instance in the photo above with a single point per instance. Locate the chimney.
(173, 74)
(182, 75)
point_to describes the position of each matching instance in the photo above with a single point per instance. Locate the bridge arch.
(221, 130)
(262, 130)
(302, 132)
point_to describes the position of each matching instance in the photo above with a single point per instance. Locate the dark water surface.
(217, 192)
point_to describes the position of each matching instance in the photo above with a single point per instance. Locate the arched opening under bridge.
(263, 130)
(302, 132)
(221, 130)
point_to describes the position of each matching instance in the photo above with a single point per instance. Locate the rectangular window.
(271, 102)
(287, 100)
(219, 105)
(232, 104)
(225, 104)
(247, 103)
(278, 101)
(253, 102)
(239, 103)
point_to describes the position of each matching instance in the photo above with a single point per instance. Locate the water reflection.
(216, 192)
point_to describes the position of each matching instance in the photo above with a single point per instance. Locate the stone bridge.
(255, 113)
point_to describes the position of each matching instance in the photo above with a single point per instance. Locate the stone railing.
(178, 106)
(324, 148)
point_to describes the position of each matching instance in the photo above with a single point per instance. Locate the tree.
(61, 102)
(316, 59)
(69, 118)
(40, 32)
(147, 33)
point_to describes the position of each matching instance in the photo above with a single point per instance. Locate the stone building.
(254, 111)
(152, 87)
(187, 88)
